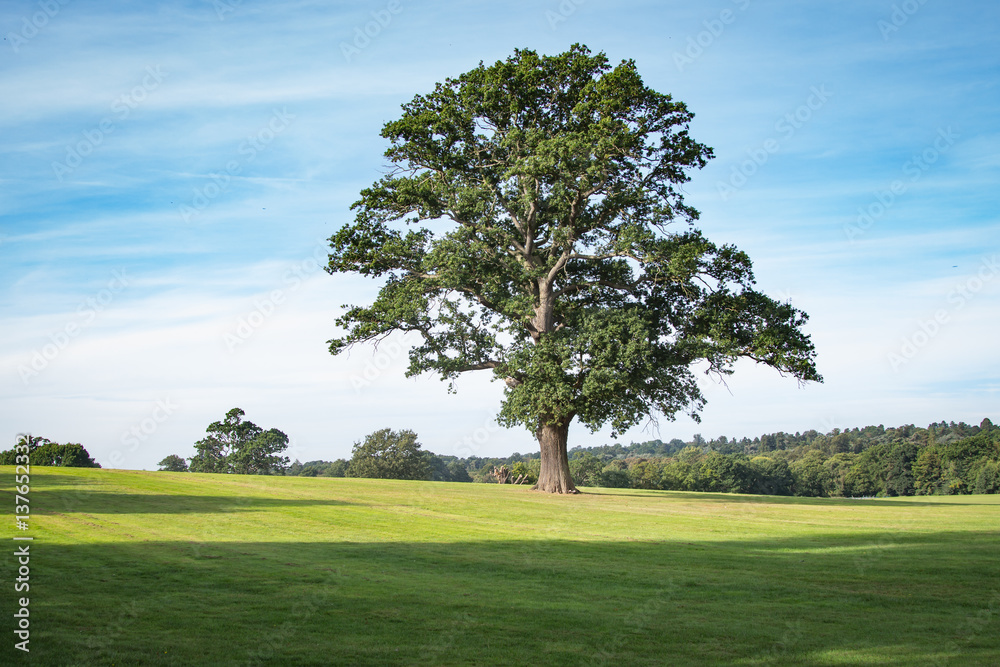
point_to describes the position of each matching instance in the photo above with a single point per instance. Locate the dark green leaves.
(388, 454)
(240, 447)
(527, 228)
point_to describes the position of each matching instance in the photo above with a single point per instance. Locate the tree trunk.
(554, 475)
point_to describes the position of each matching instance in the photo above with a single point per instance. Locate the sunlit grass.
(165, 568)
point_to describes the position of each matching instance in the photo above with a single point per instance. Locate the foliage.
(960, 466)
(727, 474)
(524, 230)
(586, 469)
(772, 476)
(437, 468)
(810, 477)
(44, 452)
(388, 454)
(458, 473)
(614, 477)
(336, 468)
(240, 447)
(173, 463)
(70, 455)
(872, 461)
(645, 474)
(988, 477)
(944, 458)
(525, 471)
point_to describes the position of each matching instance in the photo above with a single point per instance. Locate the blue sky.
(170, 171)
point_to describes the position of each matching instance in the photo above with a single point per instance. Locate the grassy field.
(134, 568)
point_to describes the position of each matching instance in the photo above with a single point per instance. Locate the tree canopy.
(533, 225)
(43, 452)
(239, 447)
(388, 454)
(173, 463)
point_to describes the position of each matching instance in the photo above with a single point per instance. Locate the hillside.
(170, 568)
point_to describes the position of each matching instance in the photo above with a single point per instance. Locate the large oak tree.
(533, 225)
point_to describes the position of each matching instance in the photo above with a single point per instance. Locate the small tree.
(524, 231)
(387, 454)
(173, 463)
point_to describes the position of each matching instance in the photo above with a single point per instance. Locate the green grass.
(134, 568)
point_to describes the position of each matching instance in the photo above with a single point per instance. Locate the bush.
(529, 470)
(173, 463)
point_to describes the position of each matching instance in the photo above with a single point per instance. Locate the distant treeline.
(944, 458)
(38, 451)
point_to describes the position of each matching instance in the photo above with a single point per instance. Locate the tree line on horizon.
(944, 458)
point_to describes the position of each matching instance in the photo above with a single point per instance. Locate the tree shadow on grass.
(47, 502)
(43, 475)
(835, 599)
